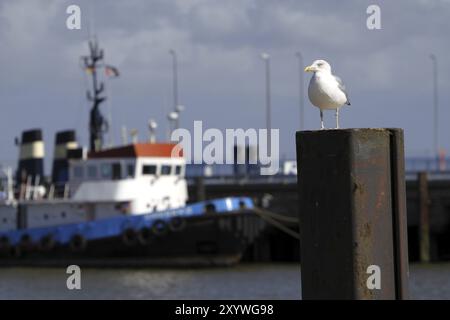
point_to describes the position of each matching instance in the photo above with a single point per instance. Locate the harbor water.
(245, 281)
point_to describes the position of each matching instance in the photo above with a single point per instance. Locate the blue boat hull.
(215, 232)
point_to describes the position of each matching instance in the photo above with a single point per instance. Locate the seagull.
(326, 91)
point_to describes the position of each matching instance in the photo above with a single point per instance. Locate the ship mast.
(97, 123)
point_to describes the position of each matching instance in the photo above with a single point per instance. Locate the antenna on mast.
(91, 26)
(97, 123)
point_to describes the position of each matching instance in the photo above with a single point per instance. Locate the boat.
(124, 205)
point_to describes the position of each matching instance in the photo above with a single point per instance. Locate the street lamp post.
(175, 83)
(178, 109)
(173, 118)
(266, 59)
(435, 106)
(299, 55)
(152, 126)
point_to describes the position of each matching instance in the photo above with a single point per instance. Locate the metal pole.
(169, 127)
(301, 91)
(424, 214)
(266, 58)
(435, 107)
(268, 98)
(398, 186)
(175, 83)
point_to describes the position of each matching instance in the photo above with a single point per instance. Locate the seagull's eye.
(320, 64)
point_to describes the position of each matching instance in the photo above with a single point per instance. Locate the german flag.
(111, 72)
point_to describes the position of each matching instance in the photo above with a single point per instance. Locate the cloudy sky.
(387, 72)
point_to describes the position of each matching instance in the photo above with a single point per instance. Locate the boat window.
(78, 172)
(149, 169)
(92, 172)
(106, 170)
(165, 170)
(130, 171)
(116, 171)
(177, 170)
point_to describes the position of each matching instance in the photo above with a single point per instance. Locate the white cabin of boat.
(134, 179)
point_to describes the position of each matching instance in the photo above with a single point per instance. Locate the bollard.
(352, 210)
(424, 213)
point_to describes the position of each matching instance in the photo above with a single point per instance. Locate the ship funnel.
(65, 142)
(31, 157)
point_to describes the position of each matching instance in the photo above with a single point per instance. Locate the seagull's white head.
(319, 65)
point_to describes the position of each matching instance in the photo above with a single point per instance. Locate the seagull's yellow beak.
(309, 69)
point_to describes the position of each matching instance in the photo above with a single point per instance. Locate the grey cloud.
(221, 77)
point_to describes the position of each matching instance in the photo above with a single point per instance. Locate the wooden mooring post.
(424, 217)
(352, 205)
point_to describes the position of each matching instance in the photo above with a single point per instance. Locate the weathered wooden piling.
(424, 220)
(352, 207)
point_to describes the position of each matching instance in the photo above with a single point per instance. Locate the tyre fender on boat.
(177, 224)
(47, 243)
(160, 227)
(26, 243)
(129, 236)
(78, 243)
(210, 208)
(5, 244)
(145, 235)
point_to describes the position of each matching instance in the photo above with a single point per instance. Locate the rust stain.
(380, 200)
(358, 187)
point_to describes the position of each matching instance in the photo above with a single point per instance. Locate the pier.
(427, 201)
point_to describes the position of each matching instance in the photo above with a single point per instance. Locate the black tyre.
(210, 208)
(159, 228)
(145, 235)
(177, 224)
(129, 237)
(78, 243)
(5, 245)
(26, 243)
(47, 243)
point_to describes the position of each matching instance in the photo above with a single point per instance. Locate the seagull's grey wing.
(341, 86)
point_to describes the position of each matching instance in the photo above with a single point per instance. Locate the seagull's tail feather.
(348, 103)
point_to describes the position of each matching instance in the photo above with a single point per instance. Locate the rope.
(278, 216)
(276, 224)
